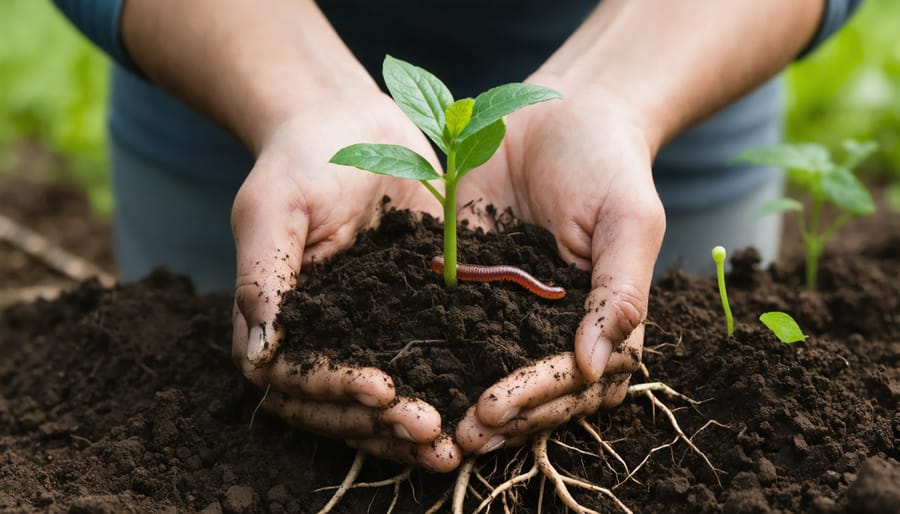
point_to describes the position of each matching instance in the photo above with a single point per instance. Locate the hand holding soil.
(293, 210)
(581, 169)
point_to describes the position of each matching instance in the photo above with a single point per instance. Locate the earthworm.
(479, 273)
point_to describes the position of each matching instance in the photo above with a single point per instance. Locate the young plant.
(811, 168)
(468, 131)
(783, 326)
(718, 255)
(780, 323)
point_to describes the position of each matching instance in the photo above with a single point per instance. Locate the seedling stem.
(718, 255)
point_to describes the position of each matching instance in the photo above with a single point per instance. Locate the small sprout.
(468, 131)
(783, 326)
(718, 255)
(811, 168)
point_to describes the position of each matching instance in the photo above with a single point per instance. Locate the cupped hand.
(581, 168)
(294, 209)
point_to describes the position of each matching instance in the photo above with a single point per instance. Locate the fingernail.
(367, 400)
(257, 344)
(600, 356)
(493, 443)
(510, 414)
(403, 433)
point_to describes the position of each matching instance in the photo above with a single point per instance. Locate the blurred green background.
(53, 85)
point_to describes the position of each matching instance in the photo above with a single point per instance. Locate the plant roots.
(473, 477)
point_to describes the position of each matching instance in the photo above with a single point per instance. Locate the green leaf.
(857, 152)
(778, 205)
(476, 149)
(845, 191)
(394, 160)
(419, 94)
(802, 156)
(497, 102)
(457, 117)
(783, 326)
(892, 195)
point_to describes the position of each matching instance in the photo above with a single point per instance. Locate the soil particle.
(127, 400)
(241, 499)
(380, 302)
(876, 489)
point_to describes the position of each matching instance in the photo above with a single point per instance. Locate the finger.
(547, 379)
(413, 419)
(473, 436)
(623, 255)
(607, 393)
(328, 419)
(626, 358)
(441, 455)
(526, 387)
(269, 247)
(320, 379)
(258, 376)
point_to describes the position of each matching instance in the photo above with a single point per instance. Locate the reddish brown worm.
(479, 273)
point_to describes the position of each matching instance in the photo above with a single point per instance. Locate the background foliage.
(53, 86)
(52, 92)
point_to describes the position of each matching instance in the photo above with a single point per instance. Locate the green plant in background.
(812, 170)
(52, 94)
(468, 131)
(780, 323)
(850, 89)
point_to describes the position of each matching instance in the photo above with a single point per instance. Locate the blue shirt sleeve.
(99, 21)
(836, 13)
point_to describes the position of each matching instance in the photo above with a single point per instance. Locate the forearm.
(675, 63)
(250, 65)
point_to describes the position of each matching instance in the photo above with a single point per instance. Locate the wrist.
(247, 65)
(635, 119)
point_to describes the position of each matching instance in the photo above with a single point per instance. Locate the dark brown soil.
(126, 400)
(60, 215)
(379, 304)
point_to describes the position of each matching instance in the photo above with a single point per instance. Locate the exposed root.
(462, 485)
(543, 467)
(403, 351)
(474, 482)
(348, 481)
(50, 253)
(647, 390)
(259, 406)
(583, 423)
(30, 294)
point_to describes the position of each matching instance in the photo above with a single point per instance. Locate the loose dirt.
(126, 399)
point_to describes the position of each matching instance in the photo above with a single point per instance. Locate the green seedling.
(781, 324)
(467, 131)
(811, 168)
(718, 255)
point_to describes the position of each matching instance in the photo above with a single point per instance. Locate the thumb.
(623, 256)
(269, 248)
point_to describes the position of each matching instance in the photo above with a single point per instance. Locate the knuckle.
(629, 306)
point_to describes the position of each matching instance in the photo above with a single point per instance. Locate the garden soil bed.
(126, 399)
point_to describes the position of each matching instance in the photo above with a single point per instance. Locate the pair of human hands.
(580, 168)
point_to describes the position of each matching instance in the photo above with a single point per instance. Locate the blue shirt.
(504, 42)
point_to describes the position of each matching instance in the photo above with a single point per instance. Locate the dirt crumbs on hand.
(380, 304)
(126, 399)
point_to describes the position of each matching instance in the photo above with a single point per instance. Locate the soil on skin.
(126, 399)
(379, 304)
